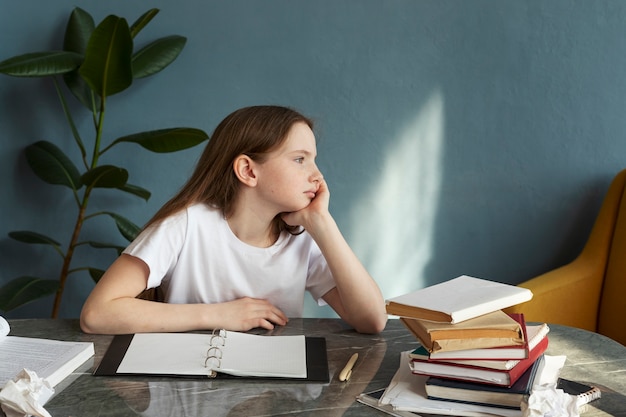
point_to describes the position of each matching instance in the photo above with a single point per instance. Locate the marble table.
(591, 358)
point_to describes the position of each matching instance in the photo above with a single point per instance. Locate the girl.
(240, 243)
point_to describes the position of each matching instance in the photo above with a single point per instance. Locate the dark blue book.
(483, 394)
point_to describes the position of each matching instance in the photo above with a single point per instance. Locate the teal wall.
(457, 137)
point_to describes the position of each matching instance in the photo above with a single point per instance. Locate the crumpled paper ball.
(549, 401)
(26, 395)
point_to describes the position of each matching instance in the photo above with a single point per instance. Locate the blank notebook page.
(242, 354)
(253, 355)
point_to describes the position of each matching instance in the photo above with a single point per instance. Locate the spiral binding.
(584, 393)
(214, 353)
(587, 397)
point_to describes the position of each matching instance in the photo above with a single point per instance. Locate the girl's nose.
(317, 175)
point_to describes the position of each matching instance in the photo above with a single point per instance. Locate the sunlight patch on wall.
(392, 223)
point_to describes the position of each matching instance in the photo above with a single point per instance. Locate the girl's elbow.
(373, 326)
(380, 324)
(88, 321)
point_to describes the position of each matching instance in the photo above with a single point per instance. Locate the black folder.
(316, 362)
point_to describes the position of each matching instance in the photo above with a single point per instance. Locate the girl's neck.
(252, 230)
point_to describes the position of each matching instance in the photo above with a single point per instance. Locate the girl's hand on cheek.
(317, 208)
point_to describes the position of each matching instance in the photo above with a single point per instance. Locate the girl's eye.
(299, 160)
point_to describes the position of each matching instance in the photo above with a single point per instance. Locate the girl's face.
(289, 178)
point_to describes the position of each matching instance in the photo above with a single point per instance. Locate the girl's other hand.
(248, 313)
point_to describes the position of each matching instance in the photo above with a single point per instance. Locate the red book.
(461, 372)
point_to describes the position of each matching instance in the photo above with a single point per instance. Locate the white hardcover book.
(458, 299)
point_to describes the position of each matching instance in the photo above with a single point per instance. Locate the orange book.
(504, 357)
(487, 331)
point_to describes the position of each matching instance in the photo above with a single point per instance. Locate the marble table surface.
(591, 358)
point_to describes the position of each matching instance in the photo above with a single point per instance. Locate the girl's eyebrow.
(301, 151)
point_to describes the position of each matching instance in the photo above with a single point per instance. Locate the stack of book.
(406, 396)
(495, 376)
(470, 351)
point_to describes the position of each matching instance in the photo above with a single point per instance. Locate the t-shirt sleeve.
(320, 280)
(159, 246)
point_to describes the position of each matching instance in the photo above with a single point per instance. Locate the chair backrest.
(612, 308)
(590, 291)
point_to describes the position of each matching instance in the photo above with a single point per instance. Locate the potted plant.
(96, 62)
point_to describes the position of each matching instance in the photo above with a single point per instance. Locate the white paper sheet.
(407, 392)
(242, 354)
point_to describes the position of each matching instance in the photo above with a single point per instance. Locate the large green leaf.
(107, 67)
(127, 228)
(99, 245)
(41, 64)
(25, 289)
(109, 176)
(27, 236)
(105, 176)
(166, 140)
(157, 55)
(79, 28)
(50, 164)
(143, 20)
(136, 190)
(102, 245)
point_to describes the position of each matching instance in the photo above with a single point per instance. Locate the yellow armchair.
(590, 292)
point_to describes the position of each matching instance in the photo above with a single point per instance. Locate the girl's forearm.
(130, 315)
(360, 296)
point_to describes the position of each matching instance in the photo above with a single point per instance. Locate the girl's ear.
(243, 166)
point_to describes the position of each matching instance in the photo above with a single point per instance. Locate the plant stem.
(96, 146)
(70, 121)
(67, 261)
(69, 254)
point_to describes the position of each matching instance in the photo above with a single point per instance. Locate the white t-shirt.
(195, 258)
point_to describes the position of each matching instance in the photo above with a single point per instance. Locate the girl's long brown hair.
(253, 131)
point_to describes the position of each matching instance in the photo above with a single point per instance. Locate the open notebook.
(54, 360)
(222, 353)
